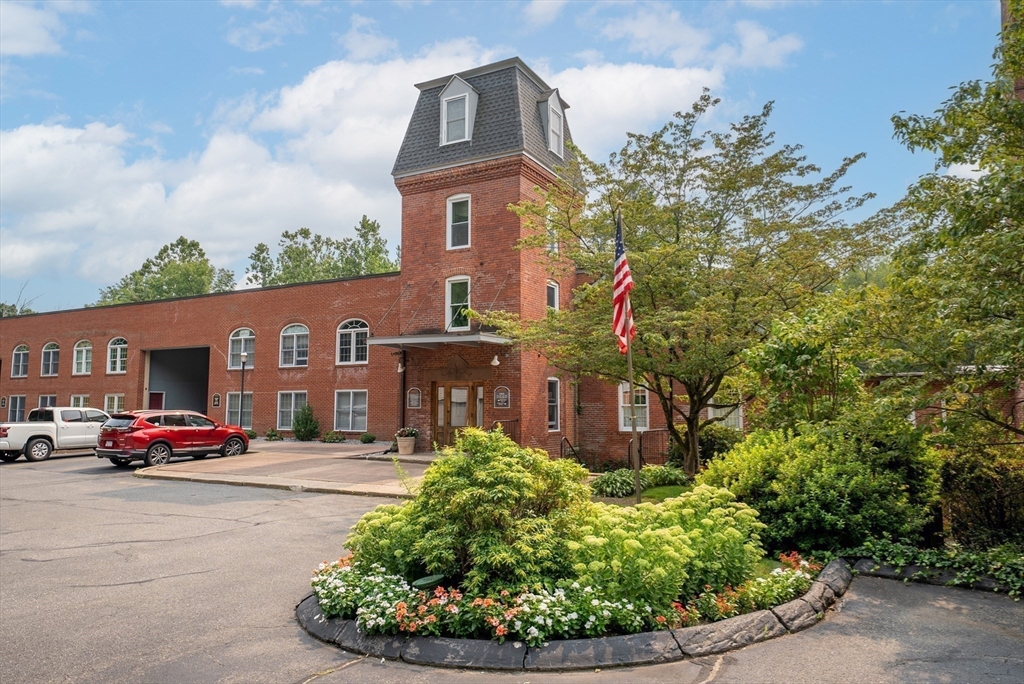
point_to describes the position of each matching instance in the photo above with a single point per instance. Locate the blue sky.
(126, 124)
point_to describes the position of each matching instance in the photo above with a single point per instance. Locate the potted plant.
(406, 438)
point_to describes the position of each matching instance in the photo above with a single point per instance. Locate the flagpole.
(634, 445)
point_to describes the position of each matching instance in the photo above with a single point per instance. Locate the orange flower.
(421, 610)
(430, 618)
(501, 630)
(660, 619)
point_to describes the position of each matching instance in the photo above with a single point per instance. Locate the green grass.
(659, 494)
(765, 566)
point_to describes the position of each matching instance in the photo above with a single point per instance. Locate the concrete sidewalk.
(359, 469)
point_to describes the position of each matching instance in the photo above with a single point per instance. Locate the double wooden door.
(455, 406)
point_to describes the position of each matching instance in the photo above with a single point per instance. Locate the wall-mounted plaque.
(216, 401)
(3, 402)
(502, 397)
(414, 400)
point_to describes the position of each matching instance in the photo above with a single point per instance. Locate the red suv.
(155, 436)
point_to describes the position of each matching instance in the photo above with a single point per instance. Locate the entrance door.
(454, 408)
(156, 401)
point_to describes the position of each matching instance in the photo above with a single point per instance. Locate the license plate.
(108, 443)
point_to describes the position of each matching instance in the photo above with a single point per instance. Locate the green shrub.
(332, 437)
(251, 434)
(659, 552)
(619, 483)
(305, 426)
(272, 435)
(983, 494)
(830, 487)
(714, 440)
(367, 438)
(663, 476)
(488, 514)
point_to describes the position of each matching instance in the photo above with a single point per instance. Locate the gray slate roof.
(507, 121)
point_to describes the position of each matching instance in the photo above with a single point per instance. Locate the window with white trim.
(350, 410)
(733, 416)
(113, 403)
(555, 143)
(80, 400)
(241, 340)
(352, 347)
(83, 358)
(51, 359)
(231, 415)
(554, 405)
(288, 404)
(16, 409)
(295, 346)
(479, 405)
(552, 292)
(46, 400)
(456, 303)
(19, 364)
(117, 355)
(639, 408)
(458, 221)
(455, 111)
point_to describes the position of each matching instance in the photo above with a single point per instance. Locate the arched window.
(295, 345)
(352, 342)
(117, 355)
(19, 365)
(51, 359)
(83, 358)
(242, 340)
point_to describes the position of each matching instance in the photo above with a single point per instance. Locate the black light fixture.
(241, 395)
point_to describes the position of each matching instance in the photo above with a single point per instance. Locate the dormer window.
(555, 132)
(552, 119)
(455, 119)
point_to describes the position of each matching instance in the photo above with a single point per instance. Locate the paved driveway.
(109, 578)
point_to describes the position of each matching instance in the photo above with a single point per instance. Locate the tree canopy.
(306, 256)
(180, 269)
(725, 231)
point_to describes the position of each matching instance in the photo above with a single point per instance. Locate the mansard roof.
(507, 122)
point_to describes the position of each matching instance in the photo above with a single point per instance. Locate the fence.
(509, 427)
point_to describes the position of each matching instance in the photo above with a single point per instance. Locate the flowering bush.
(407, 432)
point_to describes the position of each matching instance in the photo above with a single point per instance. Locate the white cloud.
(244, 4)
(27, 28)
(965, 171)
(246, 71)
(543, 12)
(757, 48)
(657, 31)
(364, 43)
(260, 35)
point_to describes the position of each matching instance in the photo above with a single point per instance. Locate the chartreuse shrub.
(488, 513)
(833, 485)
(621, 483)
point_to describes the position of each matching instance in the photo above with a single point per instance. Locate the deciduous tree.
(180, 269)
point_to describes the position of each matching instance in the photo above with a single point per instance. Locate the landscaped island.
(522, 553)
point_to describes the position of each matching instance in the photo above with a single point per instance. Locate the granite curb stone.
(473, 653)
(820, 596)
(837, 576)
(926, 574)
(867, 566)
(726, 635)
(796, 615)
(632, 649)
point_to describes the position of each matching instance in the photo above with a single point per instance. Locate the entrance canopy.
(436, 340)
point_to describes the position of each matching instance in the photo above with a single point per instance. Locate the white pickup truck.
(49, 429)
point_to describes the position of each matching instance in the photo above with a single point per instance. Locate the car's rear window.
(40, 416)
(119, 421)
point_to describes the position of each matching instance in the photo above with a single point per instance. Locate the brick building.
(373, 353)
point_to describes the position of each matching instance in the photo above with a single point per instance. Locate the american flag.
(622, 313)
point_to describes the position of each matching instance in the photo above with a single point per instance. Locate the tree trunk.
(691, 460)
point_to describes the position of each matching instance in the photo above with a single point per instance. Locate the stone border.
(921, 573)
(580, 654)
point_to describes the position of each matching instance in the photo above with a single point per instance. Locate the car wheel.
(158, 454)
(38, 450)
(234, 446)
(121, 462)
(198, 457)
(9, 456)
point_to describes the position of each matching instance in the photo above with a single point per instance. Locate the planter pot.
(406, 445)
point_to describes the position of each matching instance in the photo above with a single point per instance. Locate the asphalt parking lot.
(105, 577)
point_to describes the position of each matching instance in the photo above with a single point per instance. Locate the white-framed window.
(288, 404)
(639, 408)
(350, 410)
(232, 417)
(241, 340)
(295, 346)
(414, 399)
(113, 403)
(46, 400)
(554, 405)
(479, 405)
(83, 358)
(455, 119)
(352, 347)
(552, 294)
(19, 364)
(16, 409)
(456, 300)
(555, 143)
(458, 221)
(117, 355)
(733, 416)
(51, 359)
(80, 400)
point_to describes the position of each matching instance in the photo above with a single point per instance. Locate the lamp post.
(241, 396)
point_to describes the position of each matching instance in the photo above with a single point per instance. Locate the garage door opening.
(179, 378)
